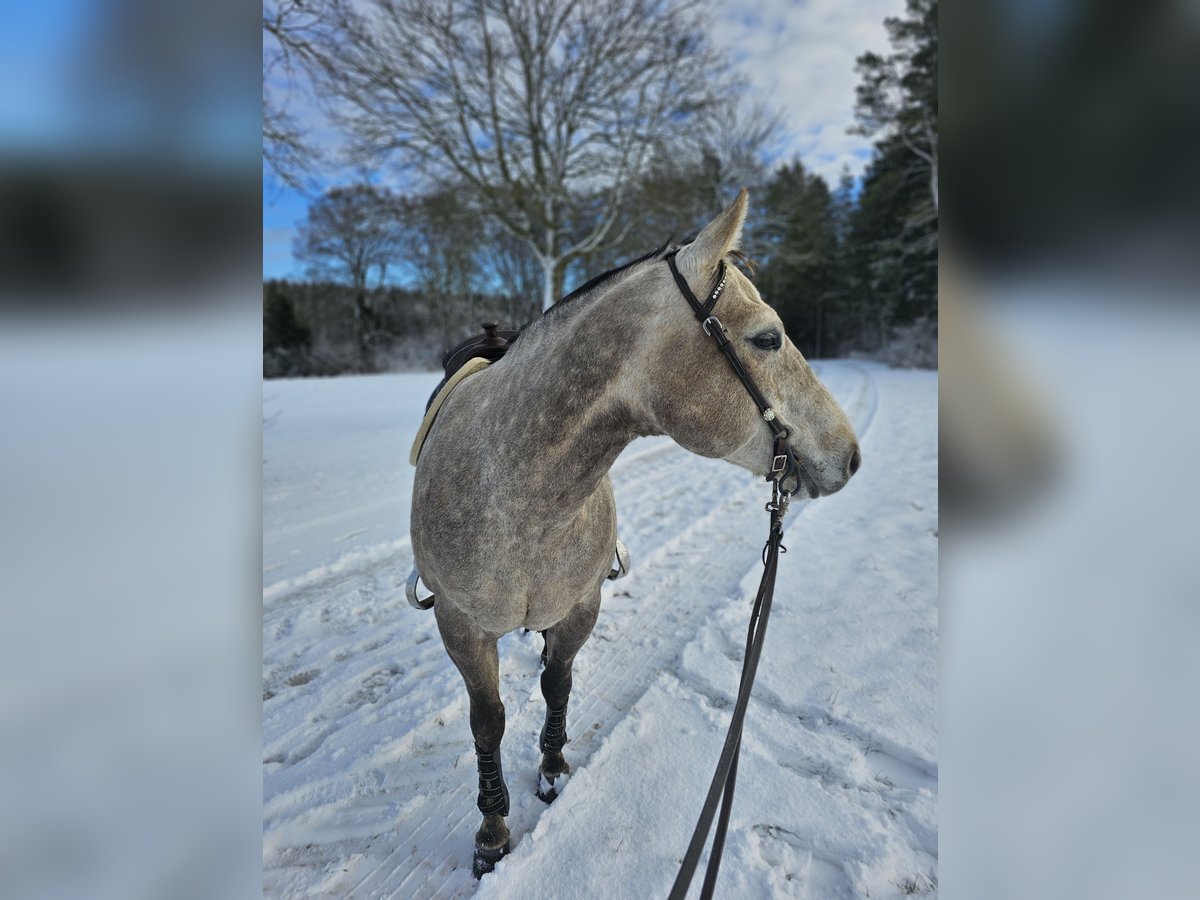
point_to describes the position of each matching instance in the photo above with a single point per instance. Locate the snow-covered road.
(369, 775)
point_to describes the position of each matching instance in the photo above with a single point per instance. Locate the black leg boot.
(552, 740)
(492, 839)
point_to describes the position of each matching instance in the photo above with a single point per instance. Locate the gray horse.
(513, 520)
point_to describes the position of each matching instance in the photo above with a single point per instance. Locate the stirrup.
(622, 568)
(410, 591)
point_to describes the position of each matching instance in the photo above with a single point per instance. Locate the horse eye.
(768, 340)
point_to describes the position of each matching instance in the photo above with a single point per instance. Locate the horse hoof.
(548, 787)
(486, 859)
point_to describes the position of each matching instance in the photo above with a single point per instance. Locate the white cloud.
(800, 56)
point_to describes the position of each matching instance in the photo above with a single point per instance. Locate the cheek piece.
(783, 463)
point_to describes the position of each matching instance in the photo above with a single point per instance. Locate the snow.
(369, 772)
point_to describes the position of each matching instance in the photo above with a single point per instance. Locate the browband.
(702, 310)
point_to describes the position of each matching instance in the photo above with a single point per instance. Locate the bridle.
(783, 465)
(783, 461)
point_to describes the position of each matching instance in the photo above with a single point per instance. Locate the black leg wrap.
(493, 792)
(486, 859)
(554, 732)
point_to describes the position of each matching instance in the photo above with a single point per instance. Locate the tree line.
(534, 177)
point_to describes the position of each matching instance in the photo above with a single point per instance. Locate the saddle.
(492, 344)
(462, 360)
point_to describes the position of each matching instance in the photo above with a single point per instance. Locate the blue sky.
(34, 42)
(282, 208)
(799, 55)
(85, 80)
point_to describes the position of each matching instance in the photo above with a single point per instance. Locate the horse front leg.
(562, 643)
(474, 653)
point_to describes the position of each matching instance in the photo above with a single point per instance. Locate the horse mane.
(592, 285)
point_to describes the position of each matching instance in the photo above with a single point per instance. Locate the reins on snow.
(783, 465)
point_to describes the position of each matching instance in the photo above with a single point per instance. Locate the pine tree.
(890, 247)
(799, 244)
(897, 97)
(286, 340)
(281, 329)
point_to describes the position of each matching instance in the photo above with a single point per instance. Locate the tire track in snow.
(679, 579)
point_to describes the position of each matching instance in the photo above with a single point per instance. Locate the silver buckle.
(707, 329)
(779, 463)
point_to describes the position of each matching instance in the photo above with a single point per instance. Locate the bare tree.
(539, 106)
(292, 30)
(675, 195)
(515, 269)
(283, 146)
(744, 131)
(441, 248)
(349, 233)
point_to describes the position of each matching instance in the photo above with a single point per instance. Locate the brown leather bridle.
(783, 464)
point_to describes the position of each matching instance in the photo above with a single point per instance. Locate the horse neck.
(567, 407)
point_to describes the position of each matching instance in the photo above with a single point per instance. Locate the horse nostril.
(855, 461)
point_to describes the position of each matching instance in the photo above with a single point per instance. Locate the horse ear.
(719, 237)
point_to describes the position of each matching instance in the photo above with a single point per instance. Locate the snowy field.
(369, 773)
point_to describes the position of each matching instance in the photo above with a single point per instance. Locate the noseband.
(783, 461)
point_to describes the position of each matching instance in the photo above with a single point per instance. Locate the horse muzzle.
(799, 475)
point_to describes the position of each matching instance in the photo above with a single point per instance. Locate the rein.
(783, 465)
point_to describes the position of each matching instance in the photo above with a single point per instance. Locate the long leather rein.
(783, 465)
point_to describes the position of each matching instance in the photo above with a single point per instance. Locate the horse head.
(694, 394)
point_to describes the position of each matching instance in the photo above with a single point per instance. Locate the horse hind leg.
(477, 659)
(562, 643)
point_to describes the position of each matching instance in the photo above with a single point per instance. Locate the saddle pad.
(470, 367)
